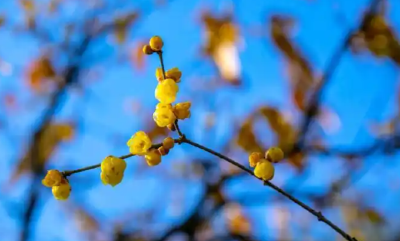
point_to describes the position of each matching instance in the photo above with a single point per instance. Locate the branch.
(317, 214)
(312, 106)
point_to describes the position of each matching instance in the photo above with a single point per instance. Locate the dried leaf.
(86, 222)
(137, 56)
(121, 26)
(246, 138)
(373, 216)
(237, 221)
(221, 45)
(300, 70)
(40, 71)
(284, 131)
(45, 147)
(28, 5)
(2, 20)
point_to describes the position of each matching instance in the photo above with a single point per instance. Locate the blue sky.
(362, 89)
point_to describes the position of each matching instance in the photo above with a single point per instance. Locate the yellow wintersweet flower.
(168, 143)
(52, 178)
(164, 115)
(156, 43)
(264, 170)
(166, 91)
(62, 191)
(159, 74)
(182, 110)
(112, 170)
(153, 158)
(274, 154)
(139, 143)
(255, 158)
(174, 74)
(113, 165)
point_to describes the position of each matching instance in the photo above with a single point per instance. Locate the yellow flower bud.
(264, 170)
(164, 115)
(159, 74)
(274, 154)
(254, 158)
(153, 158)
(156, 43)
(139, 143)
(147, 49)
(174, 74)
(163, 151)
(166, 91)
(52, 178)
(182, 110)
(168, 143)
(62, 191)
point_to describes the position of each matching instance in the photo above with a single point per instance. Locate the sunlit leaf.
(2, 20)
(121, 25)
(44, 148)
(246, 138)
(373, 216)
(41, 70)
(137, 56)
(221, 36)
(299, 69)
(237, 221)
(284, 131)
(28, 5)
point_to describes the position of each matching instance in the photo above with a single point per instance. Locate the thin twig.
(160, 56)
(276, 188)
(71, 172)
(313, 105)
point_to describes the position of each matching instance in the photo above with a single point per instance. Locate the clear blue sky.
(362, 89)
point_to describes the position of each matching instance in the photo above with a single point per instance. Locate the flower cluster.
(262, 164)
(59, 184)
(167, 89)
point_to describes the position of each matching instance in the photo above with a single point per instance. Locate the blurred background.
(319, 78)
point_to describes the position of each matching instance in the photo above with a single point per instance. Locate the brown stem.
(276, 188)
(160, 56)
(69, 173)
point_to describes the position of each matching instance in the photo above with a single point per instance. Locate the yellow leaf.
(246, 138)
(374, 216)
(2, 20)
(28, 5)
(43, 148)
(40, 71)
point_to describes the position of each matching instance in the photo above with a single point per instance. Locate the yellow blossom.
(274, 154)
(156, 43)
(52, 178)
(139, 143)
(182, 110)
(147, 49)
(153, 158)
(166, 91)
(254, 158)
(62, 191)
(174, 74)
(168, 143)
(264, 170)
(159, 74)
(164, 115)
